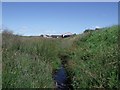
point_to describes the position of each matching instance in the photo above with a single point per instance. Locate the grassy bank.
(28, 62)
(95, 60)
(92, 59)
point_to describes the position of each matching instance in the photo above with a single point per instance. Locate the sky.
(36, 18)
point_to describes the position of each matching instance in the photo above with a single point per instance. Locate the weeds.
(91, 57)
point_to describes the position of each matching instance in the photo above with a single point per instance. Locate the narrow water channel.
(62, 79)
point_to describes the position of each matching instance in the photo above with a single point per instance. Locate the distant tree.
(41, 35)
(8, 32)
(74, 34)
(97, 28)
(88, 30)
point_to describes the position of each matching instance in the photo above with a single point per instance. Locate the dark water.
(61, 79)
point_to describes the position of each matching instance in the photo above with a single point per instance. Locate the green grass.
(95, 61)
(29, 62)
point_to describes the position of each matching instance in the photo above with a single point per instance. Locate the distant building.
(68, 34)
(44, 36)
(56, 36)
(47, 36)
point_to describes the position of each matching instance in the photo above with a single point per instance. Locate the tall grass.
(95, 62)
(29, 62)
(92, 59)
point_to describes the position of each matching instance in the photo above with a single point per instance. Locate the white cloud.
(93, 27)
(50, 32)
(97, 26)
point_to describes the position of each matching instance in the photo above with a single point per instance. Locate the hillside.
(95, 60)
(91, 60)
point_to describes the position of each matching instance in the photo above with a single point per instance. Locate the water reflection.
(61, 79)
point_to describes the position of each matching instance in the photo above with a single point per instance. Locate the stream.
(61, 78)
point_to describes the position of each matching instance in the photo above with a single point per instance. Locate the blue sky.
(35, 18)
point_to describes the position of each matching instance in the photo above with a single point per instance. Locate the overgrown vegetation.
(95, 60)
(28, 62)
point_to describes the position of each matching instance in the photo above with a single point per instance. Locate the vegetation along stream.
(87, 60)
(61, 77)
